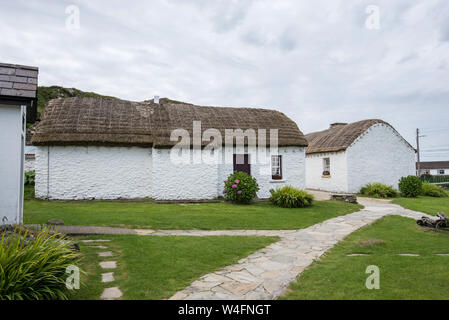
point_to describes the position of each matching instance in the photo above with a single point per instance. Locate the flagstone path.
(267, 273)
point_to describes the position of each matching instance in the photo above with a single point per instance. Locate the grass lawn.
(151, 267)
(338, 276)
(206, 216)
(430, 205)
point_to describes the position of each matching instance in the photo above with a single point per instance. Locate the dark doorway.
(241, 163)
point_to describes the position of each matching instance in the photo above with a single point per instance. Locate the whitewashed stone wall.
(337, 181)
(173, 181)
(30, 161)
(93, 172)
(379, 155)
(29, 165)
(293, 171)
(116, 172)
(177, 181)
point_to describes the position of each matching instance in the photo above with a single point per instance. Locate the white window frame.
(276, 167)
(326, 166)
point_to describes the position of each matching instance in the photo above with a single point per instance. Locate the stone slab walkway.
(267, 273)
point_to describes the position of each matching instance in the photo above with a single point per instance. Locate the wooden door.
(241, 163)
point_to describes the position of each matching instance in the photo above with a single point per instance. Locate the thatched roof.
(103, 121)
(340, 136)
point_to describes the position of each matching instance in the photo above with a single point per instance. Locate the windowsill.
(277, 181)
(326, 177)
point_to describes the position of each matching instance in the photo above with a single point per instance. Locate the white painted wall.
(379, 155)
(436, 172)
(191, 181)
(182, 181)
(112, 172)
(337, 181)
(93, 172)
(29, 165)
(293, 171)
(11, 171)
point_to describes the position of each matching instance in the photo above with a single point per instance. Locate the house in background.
(102, 148)
(434, 168)
(18, 85)
(30, 151)
(346, 157)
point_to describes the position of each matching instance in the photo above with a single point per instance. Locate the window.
(326, 167)
(441, 171)
(276, 167)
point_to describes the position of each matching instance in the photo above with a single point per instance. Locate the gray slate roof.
(18, 81)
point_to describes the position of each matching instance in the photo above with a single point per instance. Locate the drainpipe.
(48, 172)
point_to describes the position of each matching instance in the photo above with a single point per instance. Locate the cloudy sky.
(317, 61)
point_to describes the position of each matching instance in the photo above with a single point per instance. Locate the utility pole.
(417, 148)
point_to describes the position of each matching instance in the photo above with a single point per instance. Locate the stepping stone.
(357, 255)
(99, 247)
(111, 293)
(108, 264)
(107, 277)
(408, 254)
(95, 240)
(105, 254)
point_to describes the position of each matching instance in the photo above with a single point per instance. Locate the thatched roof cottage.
(103, 148)
(346, 157)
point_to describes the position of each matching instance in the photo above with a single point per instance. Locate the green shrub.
(29, 178)
(410, 186)
(378, 190)
(290, 197)
(432, 190)
(33, 265)
(240, 187)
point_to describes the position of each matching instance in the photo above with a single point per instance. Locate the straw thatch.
(103, 121)
(340, 136)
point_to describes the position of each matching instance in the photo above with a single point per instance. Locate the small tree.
(240, 187)
(410, 186)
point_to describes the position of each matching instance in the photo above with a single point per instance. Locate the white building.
(30, 151)
(346, 157)
(18, 86)
(92, 148)
(434, 168)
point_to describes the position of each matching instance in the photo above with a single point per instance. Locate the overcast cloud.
(314, 61)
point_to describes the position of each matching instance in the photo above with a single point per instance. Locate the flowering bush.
(240, 187)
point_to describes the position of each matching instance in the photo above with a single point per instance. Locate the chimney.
(337, 124)
(156, 99)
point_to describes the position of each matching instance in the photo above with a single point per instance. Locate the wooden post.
(418, 173)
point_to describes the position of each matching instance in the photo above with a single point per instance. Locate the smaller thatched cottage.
(346, 157)
(102, 148)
